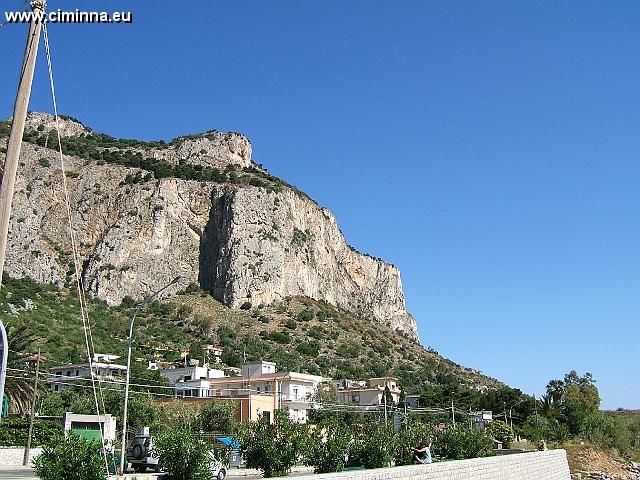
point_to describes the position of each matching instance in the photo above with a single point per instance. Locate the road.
(13, 474)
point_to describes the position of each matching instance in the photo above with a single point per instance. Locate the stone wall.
(550, 465)
(13, 456)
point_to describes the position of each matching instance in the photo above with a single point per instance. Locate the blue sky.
(488, 149)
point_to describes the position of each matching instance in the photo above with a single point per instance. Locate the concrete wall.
(550, 465)
(13, 456)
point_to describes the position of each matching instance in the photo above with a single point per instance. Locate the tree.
(555, 391)
(176, 414)
(219, 417)
(182, 456)
(19, 385)
(71, 458)
(274, 447)
(501, 431)
(458, 443)
(409, 437)
(537, 427)
(328, 447)
(375, 443)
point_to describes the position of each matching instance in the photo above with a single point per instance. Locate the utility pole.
(506, 420)
(13, 153)
(25, 461)
(453, 413)
(384, 396)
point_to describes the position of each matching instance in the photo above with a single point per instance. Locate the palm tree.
(19, 384)
(556, 390)
(547, 406)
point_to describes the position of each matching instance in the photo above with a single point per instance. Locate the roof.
(114, 366)
(268, 377)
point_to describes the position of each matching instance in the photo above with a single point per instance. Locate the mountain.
(198, 206)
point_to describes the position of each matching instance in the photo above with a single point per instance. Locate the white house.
(290, 390)
(64, 376)
(371, 395)
(482, 418)
(192, 381)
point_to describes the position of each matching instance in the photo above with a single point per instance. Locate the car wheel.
(221, 474)
(137, 452)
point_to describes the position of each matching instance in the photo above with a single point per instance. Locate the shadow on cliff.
(214, 256)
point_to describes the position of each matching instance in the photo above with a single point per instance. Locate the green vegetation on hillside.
(298, 334)
(105, 149)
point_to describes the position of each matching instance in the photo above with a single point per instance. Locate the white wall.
(13, 456)
(550, 465)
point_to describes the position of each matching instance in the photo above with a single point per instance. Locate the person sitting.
(422, 454)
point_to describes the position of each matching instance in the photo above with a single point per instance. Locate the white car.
(217, 467)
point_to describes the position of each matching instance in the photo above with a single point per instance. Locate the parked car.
(217, 466)
(141, 455)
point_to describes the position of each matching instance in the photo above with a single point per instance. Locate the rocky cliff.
(243, 235)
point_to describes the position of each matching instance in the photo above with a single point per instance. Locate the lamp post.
(126, 383)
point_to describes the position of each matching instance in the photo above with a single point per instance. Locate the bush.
(306, 315)
(245, 306)
(375, 446)
(173, 415)
(219, 417)
(536, 428)
(182, 456)
(274, 447)
(501, 432)
(71, 458)
(408, 438)
(606, 431)
(328, 447)
(459, 443)
(14, 432)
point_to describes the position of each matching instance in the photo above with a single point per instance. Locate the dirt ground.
(590, 463)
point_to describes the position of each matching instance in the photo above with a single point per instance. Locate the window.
(295, 393)
(258, 390)
(68, 373)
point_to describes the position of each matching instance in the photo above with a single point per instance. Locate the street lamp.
(126, 383)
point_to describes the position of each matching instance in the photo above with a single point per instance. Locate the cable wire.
(76, 263)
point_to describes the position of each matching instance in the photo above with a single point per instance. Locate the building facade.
(104, 370)
(290, 391)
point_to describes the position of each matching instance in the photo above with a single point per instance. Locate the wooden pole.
(17, 127)
(13, 150)
(25, 461)
(453, 414)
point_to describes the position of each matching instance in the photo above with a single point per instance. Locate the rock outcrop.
(243, 243)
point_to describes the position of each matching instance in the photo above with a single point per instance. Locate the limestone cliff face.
(242, 243)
